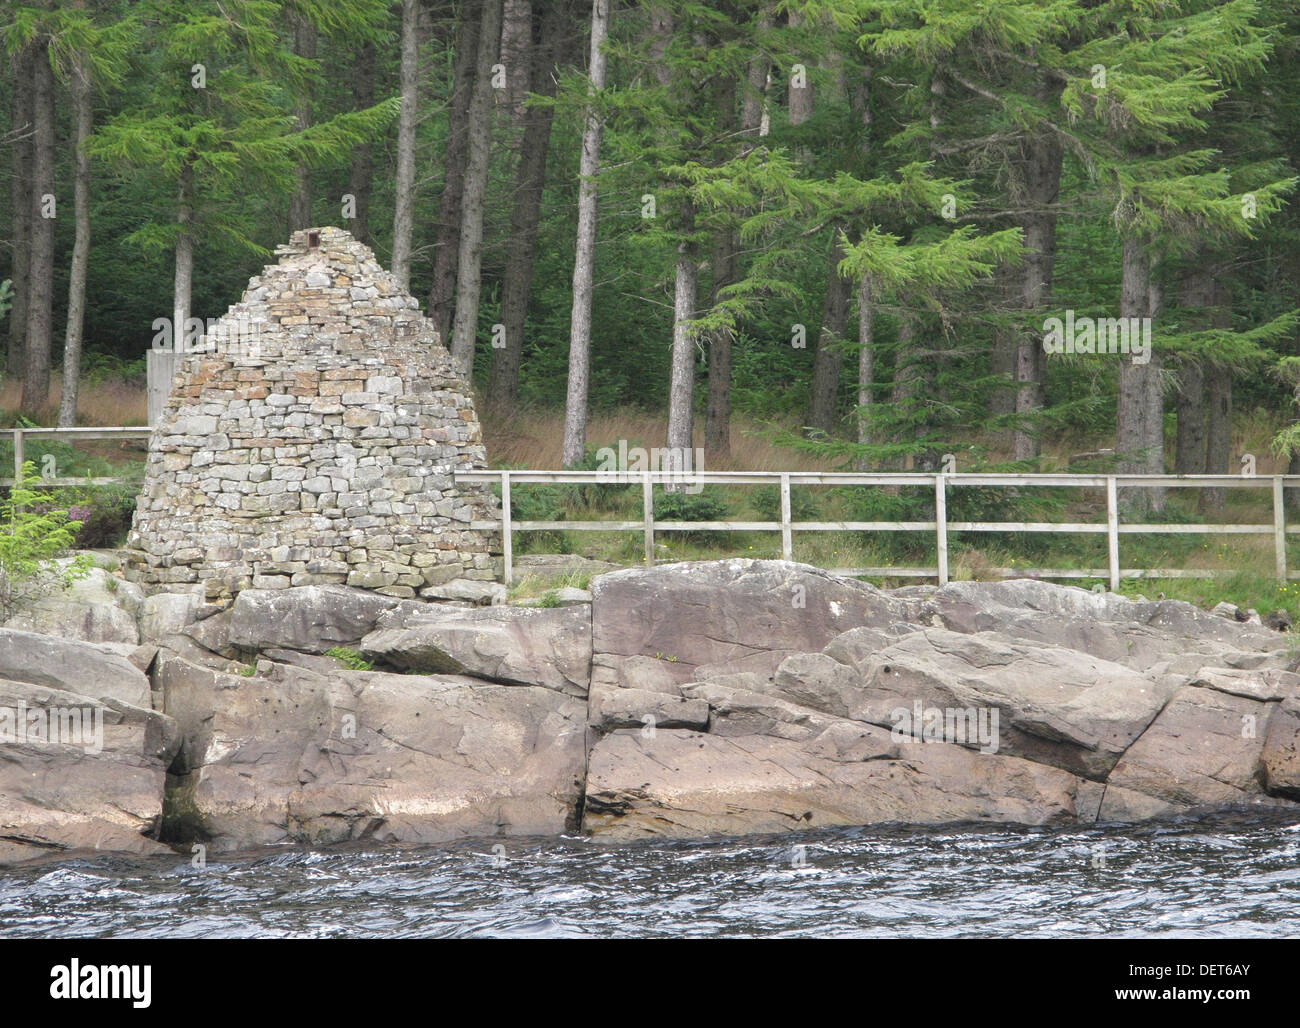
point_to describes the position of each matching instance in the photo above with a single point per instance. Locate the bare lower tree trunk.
(469, 269)
(304, 45)
(79, 87)
(800, 100)
(1139, 413)
(1040, 179)
(40, 295)
(518, 41)
(361, 168)
(829, 357)
(725, 259)
(529, 182)
(1005, 345)
(717, 418)
(681, 384)
(1190, 445)
(1218, 414)
(723, 267)
(907, 380)
(866, 365)
(20, 193)
(442, 294)
(575, 407)
(183, 283)
(404, 175)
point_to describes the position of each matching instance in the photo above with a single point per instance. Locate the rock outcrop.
(716, 698)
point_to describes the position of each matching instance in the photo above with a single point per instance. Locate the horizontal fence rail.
(19, 437)
(787, 526)
(941, 526)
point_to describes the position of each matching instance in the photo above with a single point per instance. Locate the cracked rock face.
(717, 698)
(821, 714)
(83, 756)
(296, 756)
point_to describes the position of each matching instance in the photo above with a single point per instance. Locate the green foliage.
(34, 534)
(766, 501)
(103, 512)
(706, 505)
(350, 659)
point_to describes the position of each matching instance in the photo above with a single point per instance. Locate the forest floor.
(1243, 565)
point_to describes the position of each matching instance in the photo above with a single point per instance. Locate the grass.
(350, 659)
(540, 587)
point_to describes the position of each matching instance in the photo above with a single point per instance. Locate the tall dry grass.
(534, 438)
(111, 401)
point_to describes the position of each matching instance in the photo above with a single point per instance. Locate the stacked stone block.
(312, 439)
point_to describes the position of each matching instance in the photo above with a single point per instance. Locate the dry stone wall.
(312, 440)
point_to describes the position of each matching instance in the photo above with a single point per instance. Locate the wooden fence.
(648, 525)
(941, 526)
(19, 437)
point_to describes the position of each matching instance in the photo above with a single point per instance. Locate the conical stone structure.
(312, 440)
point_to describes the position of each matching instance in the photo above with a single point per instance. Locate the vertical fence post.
(18, 455)
(507, 542)
(787, 542)
(1279, 529)
(941, 525)
(648, 514)
(1112, 533)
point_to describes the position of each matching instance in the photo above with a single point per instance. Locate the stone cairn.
(311, 439)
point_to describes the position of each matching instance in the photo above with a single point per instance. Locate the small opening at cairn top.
(313, 239)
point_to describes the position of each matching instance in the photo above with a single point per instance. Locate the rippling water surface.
(1203, 878)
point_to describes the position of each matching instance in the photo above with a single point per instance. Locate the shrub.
(104, 513)
(804, 506)
(701, 506)
(34, 534)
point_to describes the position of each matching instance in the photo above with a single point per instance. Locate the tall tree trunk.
(1139, 413)
(829, 357)
(40, 289)
(866, 365)
(725, 258)
(20, 193)
(575, 406)
(1005, 345)
(681, 384)
(79, 87)
(442, 294)
(717, 418)
(1190, 445)
(1040, 179)
(404, 175)
(723, 268)
(361, 168)
(519, 20)
(907, 379)
(304, 45)
(800, 100)
(469, 262)
(183, 283)
(1218, 413)
(757, 76)
(530, 180)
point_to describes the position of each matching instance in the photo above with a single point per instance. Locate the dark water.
(1218, 877)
